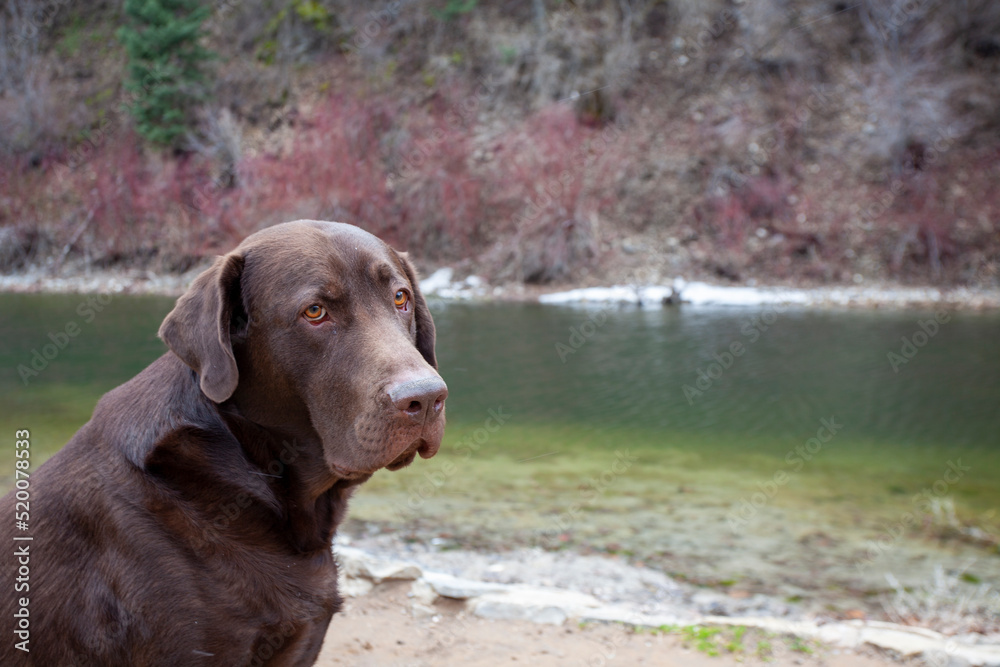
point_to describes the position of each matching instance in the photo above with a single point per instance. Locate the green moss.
(710, 640)
(799, 645)
(703, 639)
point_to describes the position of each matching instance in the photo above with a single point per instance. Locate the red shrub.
(551, 180)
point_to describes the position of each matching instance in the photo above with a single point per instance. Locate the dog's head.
(318, 330)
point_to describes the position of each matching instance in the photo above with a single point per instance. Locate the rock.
(629, 616)
(939, 658)
(421, 611)
(458, 588)
(538, 605)
(710, 602)
(933, 648)
(904, 640)
(361, 571)
(423, 593)
(499, 608)
(358, 564)
(839, 634)
(352, 587)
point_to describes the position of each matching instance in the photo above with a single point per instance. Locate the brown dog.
(190, 521)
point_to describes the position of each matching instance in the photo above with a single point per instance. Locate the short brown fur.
(190, 521)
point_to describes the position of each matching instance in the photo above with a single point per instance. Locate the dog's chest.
(279, 606)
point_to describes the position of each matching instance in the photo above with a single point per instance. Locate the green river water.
(612, 439)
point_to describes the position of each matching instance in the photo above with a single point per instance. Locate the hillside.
(531, 141)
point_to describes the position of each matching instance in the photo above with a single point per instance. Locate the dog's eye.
(401, 298)
(315, 313)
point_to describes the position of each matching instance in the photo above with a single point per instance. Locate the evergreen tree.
(165, 65)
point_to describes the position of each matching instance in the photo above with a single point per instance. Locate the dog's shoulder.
(134, 417)
(157, 426)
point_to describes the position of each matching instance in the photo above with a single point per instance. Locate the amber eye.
(315, 313)
(401, 298)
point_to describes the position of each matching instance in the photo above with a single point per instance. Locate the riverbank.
(441, 283)
(674, 539)
(384, 628)
(460, 607)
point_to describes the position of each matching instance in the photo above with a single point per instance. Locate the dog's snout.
(421, 399)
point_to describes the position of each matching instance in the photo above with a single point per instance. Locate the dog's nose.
(421, 400)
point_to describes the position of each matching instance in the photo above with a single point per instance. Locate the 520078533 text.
(22, 540)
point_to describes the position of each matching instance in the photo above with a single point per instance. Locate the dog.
(190, 521)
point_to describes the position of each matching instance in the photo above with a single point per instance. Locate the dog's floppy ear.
(197, 329)
(425, 324)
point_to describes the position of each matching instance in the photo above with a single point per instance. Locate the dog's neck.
(282, 473)
(313, 499)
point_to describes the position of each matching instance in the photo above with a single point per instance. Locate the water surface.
(811, 417)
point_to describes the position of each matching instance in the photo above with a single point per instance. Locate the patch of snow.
(437, 281)
(704, 294)
(441, 284)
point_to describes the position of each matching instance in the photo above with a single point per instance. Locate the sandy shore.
(382, 629)
(407, 612)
